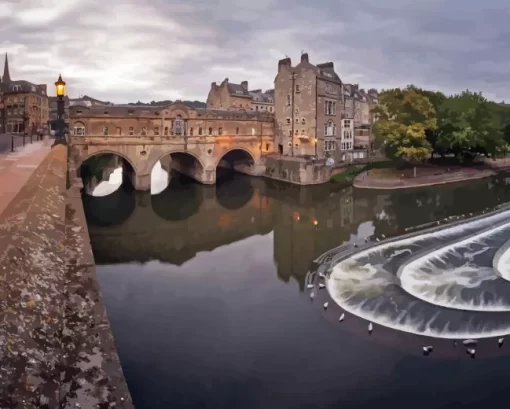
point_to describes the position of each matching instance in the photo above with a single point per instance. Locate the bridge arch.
(235, 151)
(93, 172)
(183, 162)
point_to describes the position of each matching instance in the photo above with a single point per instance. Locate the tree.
(403, 117)
(468, 124)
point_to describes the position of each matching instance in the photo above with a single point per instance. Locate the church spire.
(6, 77)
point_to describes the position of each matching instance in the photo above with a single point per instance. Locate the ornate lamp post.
(60, 87)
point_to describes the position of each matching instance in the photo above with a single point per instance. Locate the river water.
(206, 288)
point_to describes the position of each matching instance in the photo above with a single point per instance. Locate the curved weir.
(438, 283)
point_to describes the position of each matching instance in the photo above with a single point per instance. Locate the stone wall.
(56, 345)
(296, 170)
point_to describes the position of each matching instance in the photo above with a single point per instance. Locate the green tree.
(468, 125)
(403, 118)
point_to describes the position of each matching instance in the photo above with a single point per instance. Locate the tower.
(6, 78)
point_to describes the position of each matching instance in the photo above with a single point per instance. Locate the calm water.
(206, 291)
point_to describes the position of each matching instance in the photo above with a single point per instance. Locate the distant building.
(24, 104)
(235, 97)
(84, 101)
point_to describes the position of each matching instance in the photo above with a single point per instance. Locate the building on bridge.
(191, 141)
(230, 96)
(24, 104)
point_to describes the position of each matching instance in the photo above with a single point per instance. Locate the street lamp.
(60, 87)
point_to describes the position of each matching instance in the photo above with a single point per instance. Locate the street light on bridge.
(60, 87)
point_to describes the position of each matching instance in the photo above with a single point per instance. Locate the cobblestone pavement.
(16, 168)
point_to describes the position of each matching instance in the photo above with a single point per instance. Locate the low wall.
(296, 170)
(56, 345)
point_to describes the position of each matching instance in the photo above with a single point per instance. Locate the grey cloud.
(126, 50)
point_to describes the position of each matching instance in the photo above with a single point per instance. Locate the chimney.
(304, 57)
(213, 84)
(244, 84)
(286, 62)
(356, 87)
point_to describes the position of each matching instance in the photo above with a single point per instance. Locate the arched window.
(329, 128)
(178, 126)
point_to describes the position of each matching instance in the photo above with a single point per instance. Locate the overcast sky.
(129, 50)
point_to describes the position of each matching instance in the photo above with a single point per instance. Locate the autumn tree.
(403, 118)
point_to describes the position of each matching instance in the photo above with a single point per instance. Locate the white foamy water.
(460, 275)
(454, 268)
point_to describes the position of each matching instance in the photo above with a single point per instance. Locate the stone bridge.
(197, 157)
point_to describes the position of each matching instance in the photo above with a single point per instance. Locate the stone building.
(308, 109)
(24, 104)
(84, 100)
(230, 96)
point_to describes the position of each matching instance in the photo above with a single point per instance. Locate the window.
(178, 126)
(347, 123)
(297, 88)
(210, 131)
(253, 131)
(79, 111)
(270, 109)
(237, 131)
(156, 130)
(330, 108)
(190, 131)
(302, 132)
(329, 146)
(329, 129)
(290, 132)
(220, 131)
(105, 131)
(165, 131)
(131, 112)
(119, 130)
(200, 130)
(288, 121)
(287, 100)
(144, 131)
(257, 108)
(267, 147)
(79, 131)
(303, 121)
(296, 132)
(131, 131)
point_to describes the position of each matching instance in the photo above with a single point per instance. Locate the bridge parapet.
(55, 323)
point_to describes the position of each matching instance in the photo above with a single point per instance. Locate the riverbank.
(391, 179)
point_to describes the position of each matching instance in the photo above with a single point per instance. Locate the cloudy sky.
(128, 50)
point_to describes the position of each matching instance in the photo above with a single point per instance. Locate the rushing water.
(207, 292)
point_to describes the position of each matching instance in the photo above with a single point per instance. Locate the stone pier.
(56, 345)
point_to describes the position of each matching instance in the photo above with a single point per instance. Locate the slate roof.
(142, 111)
(237, 90)
(258, 95)
(21, 86)
(327, 72)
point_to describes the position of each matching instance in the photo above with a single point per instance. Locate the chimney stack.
(286, 62)
(304, 57)
(244, 84)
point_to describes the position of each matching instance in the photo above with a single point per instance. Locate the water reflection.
(203, 317)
